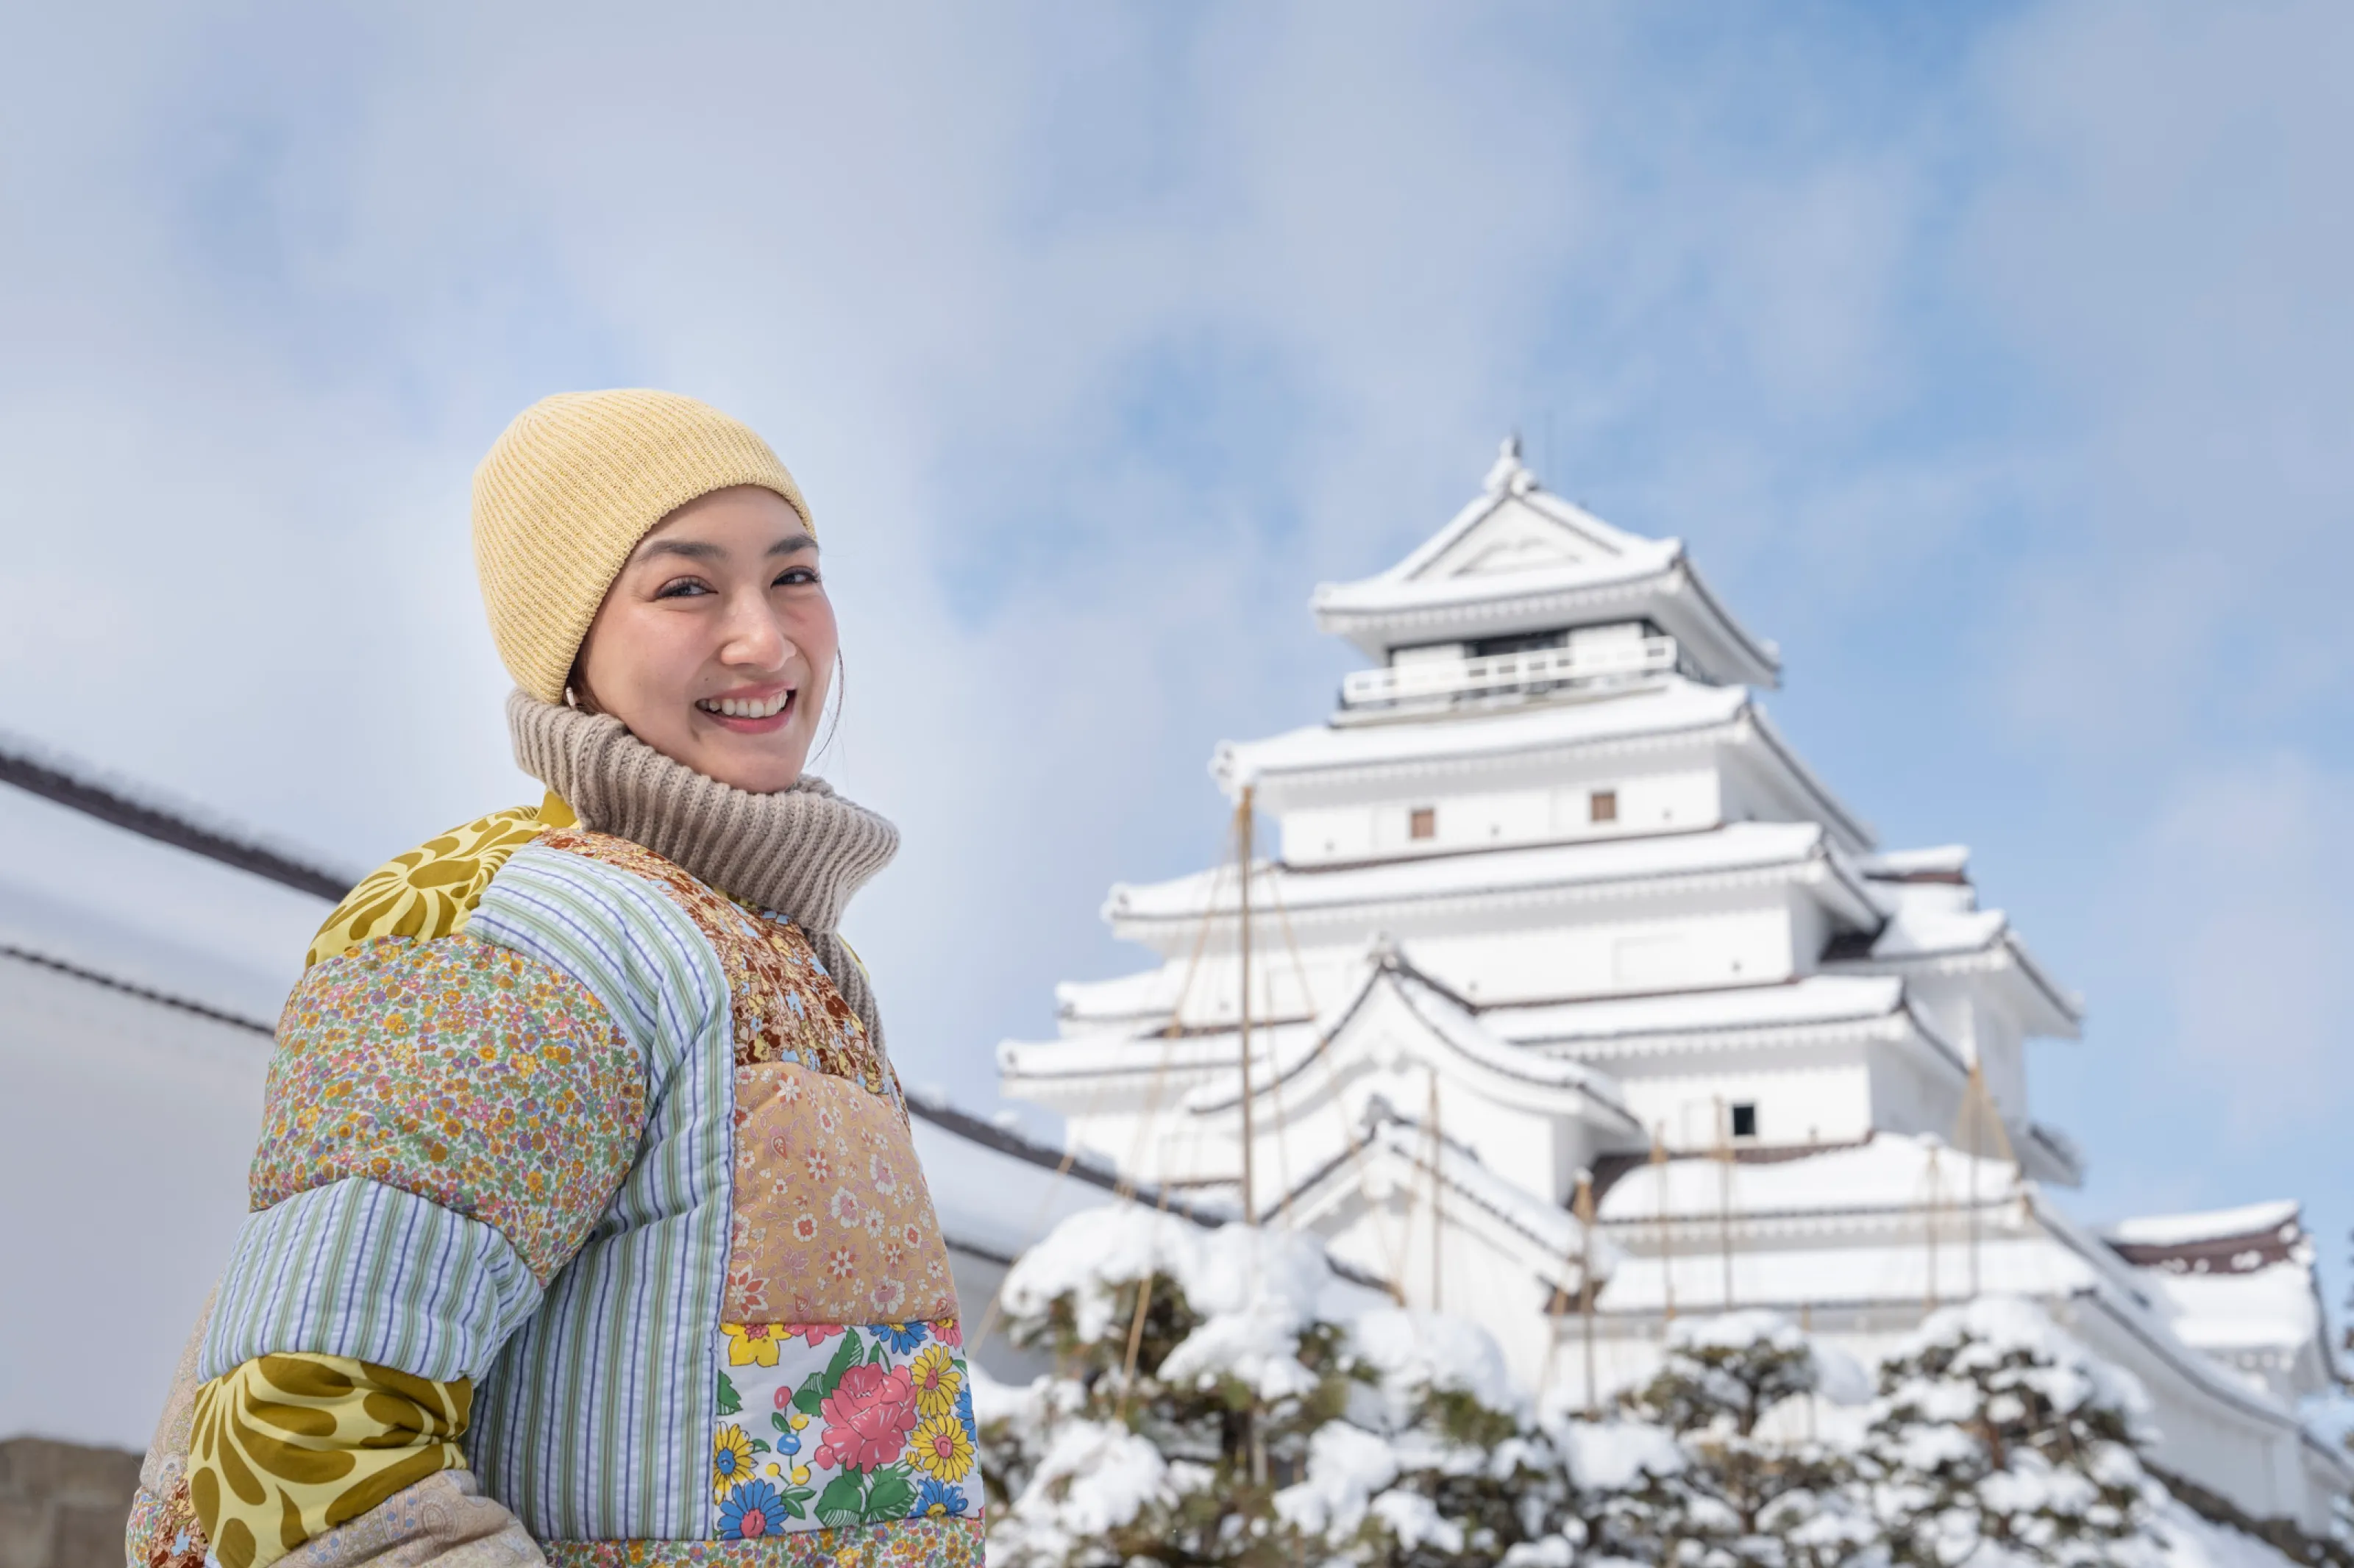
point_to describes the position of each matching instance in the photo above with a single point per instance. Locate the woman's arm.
(444, 1122)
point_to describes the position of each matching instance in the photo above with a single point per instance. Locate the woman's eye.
(682, 588)
(795, 576)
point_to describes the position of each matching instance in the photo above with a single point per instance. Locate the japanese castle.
(1554, 924)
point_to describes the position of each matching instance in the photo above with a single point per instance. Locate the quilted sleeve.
(444, 1122)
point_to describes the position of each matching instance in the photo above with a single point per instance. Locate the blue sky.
(1993, 359)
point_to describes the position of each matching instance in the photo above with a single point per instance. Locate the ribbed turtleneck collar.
(801, 851)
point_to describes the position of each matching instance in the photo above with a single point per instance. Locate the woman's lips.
(763, 714)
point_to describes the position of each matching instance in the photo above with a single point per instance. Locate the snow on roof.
(996, 1191)
(1445, 1017)
(1889, 1171)
(81, 891)
(1558, 545)
(1815, 999)
(1737, 847)
(1938, 859)
(1675, 706)
(1517, 552)
(1553, 1230)
(2211, 1225)
(1914, 931)
(2268, 1310)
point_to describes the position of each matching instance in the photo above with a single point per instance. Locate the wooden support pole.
(1245, 848)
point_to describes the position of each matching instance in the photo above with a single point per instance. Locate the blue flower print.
(938, 1499)
(900, 1339)
(752, 1511)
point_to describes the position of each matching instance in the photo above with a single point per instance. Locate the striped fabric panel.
(355, 1268)
(597, 1419)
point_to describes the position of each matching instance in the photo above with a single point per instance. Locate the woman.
(586, 1222)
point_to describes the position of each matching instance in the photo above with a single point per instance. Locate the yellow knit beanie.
(566, 493)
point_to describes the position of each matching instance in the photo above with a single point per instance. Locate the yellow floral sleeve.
(285, 1448)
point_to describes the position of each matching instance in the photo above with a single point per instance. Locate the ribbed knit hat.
(567, 491)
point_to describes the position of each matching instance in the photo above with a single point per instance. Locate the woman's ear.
(576, 694)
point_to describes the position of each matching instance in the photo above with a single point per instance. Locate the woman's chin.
(759, 765)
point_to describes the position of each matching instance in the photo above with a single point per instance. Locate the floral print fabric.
(286, 1447)
(914, 1543)
(833, 1221)
(465, 1074)
(785, 1006)
(431, 891)
(825, 1427)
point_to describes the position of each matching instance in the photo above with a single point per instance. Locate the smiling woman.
(717, 643)
(580, 1123)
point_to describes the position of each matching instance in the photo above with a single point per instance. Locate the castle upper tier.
(1554, 918)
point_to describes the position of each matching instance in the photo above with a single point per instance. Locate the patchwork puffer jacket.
(586, 1224)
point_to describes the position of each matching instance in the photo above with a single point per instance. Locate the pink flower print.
(816, 1334)
(789, 1091)
(888, 1297)
(826, 1118)
(947, 1333)
(879, 1172)
(805, 1228)
(847, 1211)
(912, 1235)
(867, 1418)
(842, 1263)
(820, 1169)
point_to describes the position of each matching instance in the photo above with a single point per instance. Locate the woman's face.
(717, 644)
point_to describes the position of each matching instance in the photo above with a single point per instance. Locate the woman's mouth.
(750, 714)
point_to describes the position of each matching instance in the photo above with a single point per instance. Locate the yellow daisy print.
(752, 1344)
(941, 1447)
(937, 1382)
(731, 1460)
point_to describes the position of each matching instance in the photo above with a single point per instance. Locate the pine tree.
(1744, 1499)
(1999, 1439)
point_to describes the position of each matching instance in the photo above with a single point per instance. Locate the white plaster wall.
(1825, 1103)
(1736, 947)
(1534, 811)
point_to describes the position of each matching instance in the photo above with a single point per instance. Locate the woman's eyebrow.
(693, 550)
(791, 544)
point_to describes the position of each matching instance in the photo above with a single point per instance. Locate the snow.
(1615, 1455)
(1414, 1351)
(1815, 999)
(1293, 1049)
(2272, 1309)
(1949, 860)
(1676, 707)
(1347, 1467)
(2211, 1225)
(1917, 929)
(1256, 1277)
(1889, 1171)
(1738, 846)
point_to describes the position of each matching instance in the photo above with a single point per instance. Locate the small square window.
(1422, 822)
(1602, 805)
(1744, 1120)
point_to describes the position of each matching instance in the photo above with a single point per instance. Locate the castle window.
(1422, 822)
(1744, 1119)
(1602, 805)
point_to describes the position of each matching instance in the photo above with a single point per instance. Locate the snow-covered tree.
(1744, 1496)
(1998, 1440)
(1276, 1413)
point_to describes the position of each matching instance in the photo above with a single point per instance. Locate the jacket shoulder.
(432, 890)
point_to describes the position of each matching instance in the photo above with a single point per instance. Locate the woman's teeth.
(746, 707)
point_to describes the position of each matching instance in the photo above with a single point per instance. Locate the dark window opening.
(1744, 1121)
(1422, 822)
(1519, 643)
(1602, 805)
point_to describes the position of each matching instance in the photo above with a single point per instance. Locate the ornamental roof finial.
(1510, 473)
